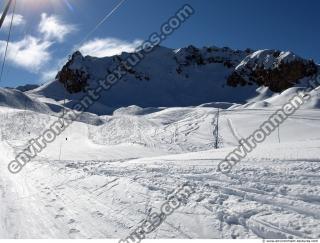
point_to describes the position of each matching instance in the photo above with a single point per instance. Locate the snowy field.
(101, 181)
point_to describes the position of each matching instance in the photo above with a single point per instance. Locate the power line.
(5, 12)
(9, 35)
(102, 21)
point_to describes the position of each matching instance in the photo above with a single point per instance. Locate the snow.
(108, 177)
(120, 162)
(267, 99)
(267, 59)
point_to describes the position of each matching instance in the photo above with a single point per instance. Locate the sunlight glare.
(38, 5)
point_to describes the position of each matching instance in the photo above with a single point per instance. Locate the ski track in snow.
(110, 177)
(234, 131)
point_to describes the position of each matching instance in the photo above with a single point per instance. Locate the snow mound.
(278, 100)
(131, 110)
(16, 99)
(135, 110)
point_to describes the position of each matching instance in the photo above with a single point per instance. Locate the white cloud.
(18, 20)
(33, 52)
(53, 28)
(29, 53)
(108, 47)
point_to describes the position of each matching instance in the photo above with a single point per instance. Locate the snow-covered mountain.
(12, 98)
(182, 77)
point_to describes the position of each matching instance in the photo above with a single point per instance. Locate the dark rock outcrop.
(278, 75)
(74, 77)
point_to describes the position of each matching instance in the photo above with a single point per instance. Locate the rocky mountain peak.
(275, 69)
(188, 76)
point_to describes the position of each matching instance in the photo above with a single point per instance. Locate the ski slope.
(105, 174)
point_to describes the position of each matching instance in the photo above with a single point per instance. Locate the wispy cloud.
(108, 47)
(18, 20)
(53, 28)
(29, 53)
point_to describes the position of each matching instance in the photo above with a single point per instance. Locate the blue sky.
(46, 31)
